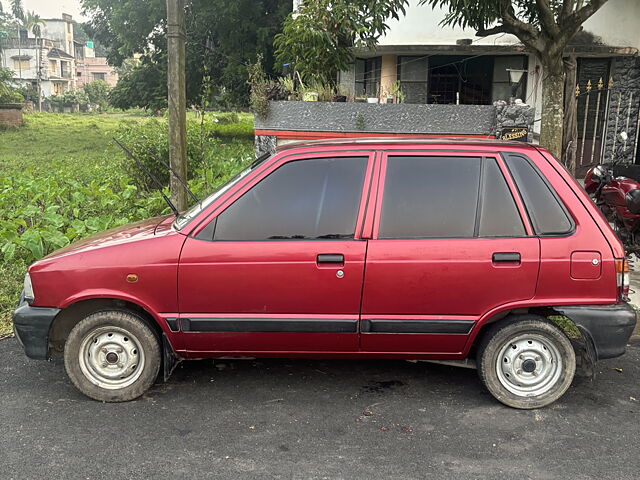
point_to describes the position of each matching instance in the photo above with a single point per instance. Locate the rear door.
(280, 266)
(449, 245)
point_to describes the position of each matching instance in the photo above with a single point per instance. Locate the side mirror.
(598, 172)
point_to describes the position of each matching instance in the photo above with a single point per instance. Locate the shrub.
(97, 93)
(75, 97)
(148, 142)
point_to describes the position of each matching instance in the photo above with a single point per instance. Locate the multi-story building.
(49, 58)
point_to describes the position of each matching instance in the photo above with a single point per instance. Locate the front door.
(280, 269)
(449, 245)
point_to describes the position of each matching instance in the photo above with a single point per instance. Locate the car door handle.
(325, 258)
(506, 257)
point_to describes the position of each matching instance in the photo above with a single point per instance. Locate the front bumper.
(31, 326)
(608, 327)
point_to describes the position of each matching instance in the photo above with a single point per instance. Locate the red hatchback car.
(412, 249)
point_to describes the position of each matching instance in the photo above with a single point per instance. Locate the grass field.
(62, 177)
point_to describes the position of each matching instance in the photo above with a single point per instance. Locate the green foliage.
(29, 92)
(75, 97)
(84, 186)
(480, 15)
(8, 93)
(10, 96)
(148, 142)
(318, 38)
(223, 36)
(97, 93)
(143, 85)
(263, 89)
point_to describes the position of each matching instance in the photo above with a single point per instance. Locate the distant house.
(433, 64)
(61, 62)
(51, 57)
(90, 68)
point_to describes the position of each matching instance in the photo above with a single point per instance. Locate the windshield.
(184, 218)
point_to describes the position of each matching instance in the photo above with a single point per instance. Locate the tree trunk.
(552, 106)
(570, 132)
(176, 86)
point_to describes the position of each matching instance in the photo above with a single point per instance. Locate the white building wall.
(617, 23)
(8, 62)
(61, 31)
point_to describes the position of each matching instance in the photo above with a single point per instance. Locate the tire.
(112, 356)
(526, 362)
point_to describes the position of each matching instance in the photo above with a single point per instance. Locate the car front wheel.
(112, 356)
(526, 362)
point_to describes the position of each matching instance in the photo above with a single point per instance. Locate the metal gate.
(608, 124)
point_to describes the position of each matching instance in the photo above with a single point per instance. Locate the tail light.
(622, 278)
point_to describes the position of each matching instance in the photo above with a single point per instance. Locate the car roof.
(404, 141)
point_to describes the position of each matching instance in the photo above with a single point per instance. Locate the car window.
(304, 199)
(430, 197)
(547, 214)
(499, 216)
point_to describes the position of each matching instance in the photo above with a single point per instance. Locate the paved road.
(299, 419)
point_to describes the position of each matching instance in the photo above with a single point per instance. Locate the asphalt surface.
(302, 419)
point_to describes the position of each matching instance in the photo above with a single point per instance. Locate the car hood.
(132, 232)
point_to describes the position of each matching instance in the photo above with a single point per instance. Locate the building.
(90, 68)
(432, 64)
(62, 63)
(50, 57)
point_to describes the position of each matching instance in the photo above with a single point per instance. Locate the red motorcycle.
(619, 200)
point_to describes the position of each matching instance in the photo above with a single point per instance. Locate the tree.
(97, 92)
(143, 85)
(33, 22)
(83, 33)
(17, 9)
(545, 28)
(317, 40)
(222, 38)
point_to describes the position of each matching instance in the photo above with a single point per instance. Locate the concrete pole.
(177, 100)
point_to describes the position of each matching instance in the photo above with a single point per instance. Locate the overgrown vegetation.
(8, 92)
(63, 178)
(224, 37)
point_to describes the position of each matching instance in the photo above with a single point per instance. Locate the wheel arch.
(568, 326)
(80, 308)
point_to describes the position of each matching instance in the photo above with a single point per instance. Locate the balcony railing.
(27, 43)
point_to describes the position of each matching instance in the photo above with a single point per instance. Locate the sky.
(51, 8)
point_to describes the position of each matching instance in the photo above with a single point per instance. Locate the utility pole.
(176, 86)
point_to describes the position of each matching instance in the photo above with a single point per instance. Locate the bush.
(97, 93)
(11, 96)
(8, 94)
(74, 97)
(148, 142)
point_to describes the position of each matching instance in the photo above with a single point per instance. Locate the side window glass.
(499, 216)
(304, 199)
(544, 208)
(430, 197)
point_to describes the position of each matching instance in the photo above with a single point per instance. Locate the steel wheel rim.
(111, 357)
(529, 365)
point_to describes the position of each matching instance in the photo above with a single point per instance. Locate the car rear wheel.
(526, 362)
(112, 356)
